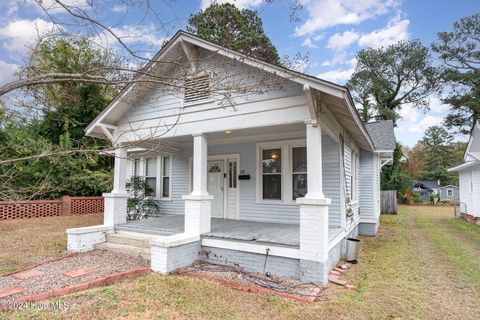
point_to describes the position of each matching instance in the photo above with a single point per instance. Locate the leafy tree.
(69, 106)
(393, 176)
(460, 52)
(440, 153)
(239, 30)
(389, 77)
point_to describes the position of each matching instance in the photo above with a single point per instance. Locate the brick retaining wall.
(66, 205)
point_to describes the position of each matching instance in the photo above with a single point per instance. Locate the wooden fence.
(66, 205)
(388, 202)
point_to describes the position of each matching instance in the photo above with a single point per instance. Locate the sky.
(330, 32)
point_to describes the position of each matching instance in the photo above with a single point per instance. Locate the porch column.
(314, 213)
(115, 210)
(198, 203)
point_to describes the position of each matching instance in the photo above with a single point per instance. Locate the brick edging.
(70, 255)
(250, 288)
(81, 286)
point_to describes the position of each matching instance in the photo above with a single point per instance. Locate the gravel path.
(102, 263)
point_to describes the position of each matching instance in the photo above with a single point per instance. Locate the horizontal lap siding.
(366, 192)
(180, 183)
(249, 209)
(331, 178)
(162, 105)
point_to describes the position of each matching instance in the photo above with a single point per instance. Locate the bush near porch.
(421, 265)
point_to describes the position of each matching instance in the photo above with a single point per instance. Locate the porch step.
(130, 239)
(133, 251)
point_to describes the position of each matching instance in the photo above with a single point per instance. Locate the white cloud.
(339, 57)
(238, 3)
(130, 34)
(415, 121)
(323, 14)
(119, 8)
(337, 76)
(54, 8)
(19, 34)
(395, 31)
(339, 41)
(437, 106)
(8, 72)
(308, 43)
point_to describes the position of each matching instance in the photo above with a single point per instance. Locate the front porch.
(226, 229)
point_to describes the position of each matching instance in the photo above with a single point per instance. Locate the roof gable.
(181, 41)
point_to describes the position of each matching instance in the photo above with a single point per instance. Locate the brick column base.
(197, 214)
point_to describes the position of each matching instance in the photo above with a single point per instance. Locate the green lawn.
(423, 265)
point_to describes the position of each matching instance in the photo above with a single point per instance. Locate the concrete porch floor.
(252, 231)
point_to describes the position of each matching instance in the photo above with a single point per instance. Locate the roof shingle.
(382, 134)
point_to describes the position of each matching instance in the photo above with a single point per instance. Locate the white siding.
(282, 100)
(469, 188)
(331, 178)
(367, 184)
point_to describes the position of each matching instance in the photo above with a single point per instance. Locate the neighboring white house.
(251, 164)
(469, 177)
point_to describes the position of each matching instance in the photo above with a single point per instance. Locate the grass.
(27, 241)
(419, 266)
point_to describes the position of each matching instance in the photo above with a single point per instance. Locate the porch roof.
(226, 229)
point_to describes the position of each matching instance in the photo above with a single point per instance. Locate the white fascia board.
(463, 166)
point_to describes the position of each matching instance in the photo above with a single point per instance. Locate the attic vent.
(197, 88)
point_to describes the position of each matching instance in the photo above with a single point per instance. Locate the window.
(232, 174)
(151, 176)
(136, 168)
(166, 171)
(197, 88)
(353, 176)
(449, 192)
(299, 172)
(272, 174)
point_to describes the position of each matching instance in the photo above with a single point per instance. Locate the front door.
(216, 188)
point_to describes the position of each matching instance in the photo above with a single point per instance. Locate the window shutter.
(197, 88)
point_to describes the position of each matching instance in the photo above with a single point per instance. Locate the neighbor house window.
(272, 174)
(299, 172)
(166, 171)
(151, 175)
(449, 192)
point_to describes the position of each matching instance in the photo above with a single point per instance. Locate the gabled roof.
(428, 184)
(382, 134)
(471, 157)
(108, 116)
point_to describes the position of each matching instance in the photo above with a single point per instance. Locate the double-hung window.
(166, 172)
(151, 176)
(282, 171)
(299, 172)
(271, 174)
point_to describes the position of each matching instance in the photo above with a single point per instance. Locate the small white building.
(469, 178)
(251, 163)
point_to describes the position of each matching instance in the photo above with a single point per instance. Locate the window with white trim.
(272, 174)
(354, 176)
(232, 174)
(151, 175)
(281, 171)
(299, 172)
(136, 168)
(449, 192)
(166, 173)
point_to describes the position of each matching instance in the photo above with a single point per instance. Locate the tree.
(239, 30)
(460, 52)
(389, 77)
(440, 153)
(393, 177)
(69, 106)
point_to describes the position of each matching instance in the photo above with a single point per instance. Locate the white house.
(251, 163)
(469, 178)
